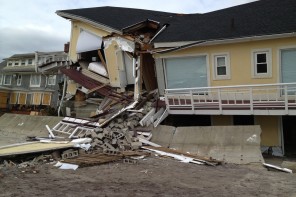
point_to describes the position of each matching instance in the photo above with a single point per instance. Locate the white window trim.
(48, 79)
(1, 79)
(35, 85)
(9, 63)
(227, 64)
(269, 63)
(16, 61)
(19, 81)
(9, 81)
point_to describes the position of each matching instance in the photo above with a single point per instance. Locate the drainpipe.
(36, 61)
(161, 30)
(63, 95)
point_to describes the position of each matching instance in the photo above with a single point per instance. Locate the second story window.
(221, 66)
(30, 61)
(16, 63)
(261, 63)
(19, 80)
(51, 80)
(23, 62)
(35, 80)
(7, 79)
(9, 63)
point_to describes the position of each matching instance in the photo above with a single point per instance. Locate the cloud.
(30, 25)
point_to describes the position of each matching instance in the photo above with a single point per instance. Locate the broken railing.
(260, 99)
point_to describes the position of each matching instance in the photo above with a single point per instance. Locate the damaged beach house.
(230, 67)
(29, 83)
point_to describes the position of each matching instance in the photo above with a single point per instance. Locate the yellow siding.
(76, 28)
(270, 130)
(221, 120)
(111, 60)
(240, 59)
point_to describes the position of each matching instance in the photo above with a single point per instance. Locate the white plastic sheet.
(88, 42)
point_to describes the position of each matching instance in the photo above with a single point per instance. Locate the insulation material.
(88, 42)
(124, 44)
(98, 68)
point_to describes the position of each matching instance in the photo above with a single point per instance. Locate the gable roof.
(264, 17)
(115, 18)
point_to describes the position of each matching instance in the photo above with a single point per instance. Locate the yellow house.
(235, 66)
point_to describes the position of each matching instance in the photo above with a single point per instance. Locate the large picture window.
(186, 72)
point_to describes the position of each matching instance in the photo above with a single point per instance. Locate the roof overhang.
(223, 41)
(86, 20)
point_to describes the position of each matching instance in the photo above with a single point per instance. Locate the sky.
(32, 25)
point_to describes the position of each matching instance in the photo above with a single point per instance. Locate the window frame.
(51, 77)
(23, 62)
(1, 78)
(215, 56)
(30, 61)
(255, 64)
(35, 85)
(16, 63)
(4, 79)
(19, 79)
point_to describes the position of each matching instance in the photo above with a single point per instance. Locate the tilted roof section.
(265, 17)
(115, 18)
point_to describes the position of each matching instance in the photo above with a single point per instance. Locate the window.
(7, 79)
(261, 63)
(19, 80)
(23, 62)
(9, 64)
(221, 66)
(30, 61)
(1, 79)
(16, 63)
(186, 72)
(51, 80)
(35, 80)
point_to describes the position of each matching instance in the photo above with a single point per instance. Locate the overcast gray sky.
(32, 25)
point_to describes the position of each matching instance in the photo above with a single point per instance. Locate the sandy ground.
(154, 176)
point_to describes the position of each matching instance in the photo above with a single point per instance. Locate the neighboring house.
(31, 81)
(235, 66)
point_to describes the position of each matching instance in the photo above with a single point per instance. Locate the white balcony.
(261, 99)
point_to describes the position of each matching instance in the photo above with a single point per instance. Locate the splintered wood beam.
(102, 59)
(96, 88)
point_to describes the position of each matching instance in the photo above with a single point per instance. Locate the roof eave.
(93, 23)
(226, 40)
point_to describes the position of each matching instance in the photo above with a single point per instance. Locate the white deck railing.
(260, 99)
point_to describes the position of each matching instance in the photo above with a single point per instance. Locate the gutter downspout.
(63, 95)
